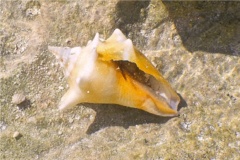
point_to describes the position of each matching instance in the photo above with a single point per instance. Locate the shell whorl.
(67, 57)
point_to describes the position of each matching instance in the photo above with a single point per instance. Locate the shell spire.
(114, 72)
(95, 41)
(117, 36)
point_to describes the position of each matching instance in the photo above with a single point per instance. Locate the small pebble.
(68, 41)
(60, 132)
(17, 135)
(60, 87)
(18, 98)
(70, 120)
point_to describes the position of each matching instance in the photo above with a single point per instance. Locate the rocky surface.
(195, 45)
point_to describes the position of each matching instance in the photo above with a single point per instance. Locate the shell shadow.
(124, 18)
(24, 105)
(207, 26)
(115, 115)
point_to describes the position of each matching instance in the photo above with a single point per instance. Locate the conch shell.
(113, 71)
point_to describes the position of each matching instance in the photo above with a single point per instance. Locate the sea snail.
(113, 71)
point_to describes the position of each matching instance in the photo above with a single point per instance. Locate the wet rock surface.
(195, 45)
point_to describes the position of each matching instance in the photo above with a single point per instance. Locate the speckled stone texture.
(195, 45)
